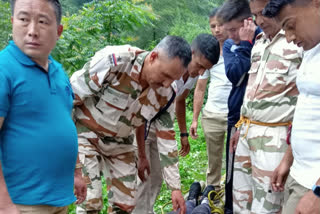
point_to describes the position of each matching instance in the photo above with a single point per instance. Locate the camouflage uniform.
(162, 154)
(270, 98)
(109, 104)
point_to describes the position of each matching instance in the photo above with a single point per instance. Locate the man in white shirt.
(161, 149)
(215, 113)
(301, 21)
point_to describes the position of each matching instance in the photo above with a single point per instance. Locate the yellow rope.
(213, 207)
(245, 120)
(163, 206)
(218, 196)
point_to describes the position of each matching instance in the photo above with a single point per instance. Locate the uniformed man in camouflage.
(161, 147)
(266, 113)
(119, 89)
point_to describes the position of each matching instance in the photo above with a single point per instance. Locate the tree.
(5, 25)
(97, 24)
(186, 18)
(72, 6)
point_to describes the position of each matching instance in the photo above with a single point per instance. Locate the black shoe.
(194, 192)
(206, 192)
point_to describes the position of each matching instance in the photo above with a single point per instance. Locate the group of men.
(121, 95)
(115, 116)
(274, 81)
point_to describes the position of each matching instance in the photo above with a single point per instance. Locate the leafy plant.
(185, 18)
(5, 24)
(97, 24)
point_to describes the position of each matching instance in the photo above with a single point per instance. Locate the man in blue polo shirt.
(38, 139)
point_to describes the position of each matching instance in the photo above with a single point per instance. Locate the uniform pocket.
(255, 63)
(277, 75)
(112, 104)
(278, 66)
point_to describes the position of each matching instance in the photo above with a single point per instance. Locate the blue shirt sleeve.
(237, 62)
(4, 95)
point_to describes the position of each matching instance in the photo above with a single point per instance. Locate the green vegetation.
(91, 25)
(5, 24)
(97, 24)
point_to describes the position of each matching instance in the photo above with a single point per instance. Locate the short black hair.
(274, 7)
(55, 3)
(175, 46)
(234, 9)
(208, 46)
(214, 12)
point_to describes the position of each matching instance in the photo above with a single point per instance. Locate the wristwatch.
(184, 135)
(316, 190)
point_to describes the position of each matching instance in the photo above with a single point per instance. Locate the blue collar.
(25, 60)
(22, 57)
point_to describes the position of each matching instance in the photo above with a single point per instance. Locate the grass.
(192, 168)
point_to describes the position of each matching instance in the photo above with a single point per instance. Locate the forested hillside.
(91, 25)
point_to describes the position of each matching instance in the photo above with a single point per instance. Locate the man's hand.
(178, 202)
(279, 177)
(6, 205)
(12, 209)
(247, 32)
(308, 204)
(80, 187)
(193, 130)
(234, 141)
(143, 165)
(185, 146)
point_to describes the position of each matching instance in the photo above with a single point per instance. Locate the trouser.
(293, 192)
(228, 207)
(41, 209)
(162, 151)
(148, 191)
(257, 156)
(214, 127)
(202, 209)
(117, 163)
(193, 209)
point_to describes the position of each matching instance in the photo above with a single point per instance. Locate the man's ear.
(153, 56)
(60, 29)
(11, 19)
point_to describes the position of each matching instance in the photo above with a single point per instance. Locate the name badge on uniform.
(115, 98)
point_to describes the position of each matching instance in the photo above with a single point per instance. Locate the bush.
(5, 24)
(97, 24)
